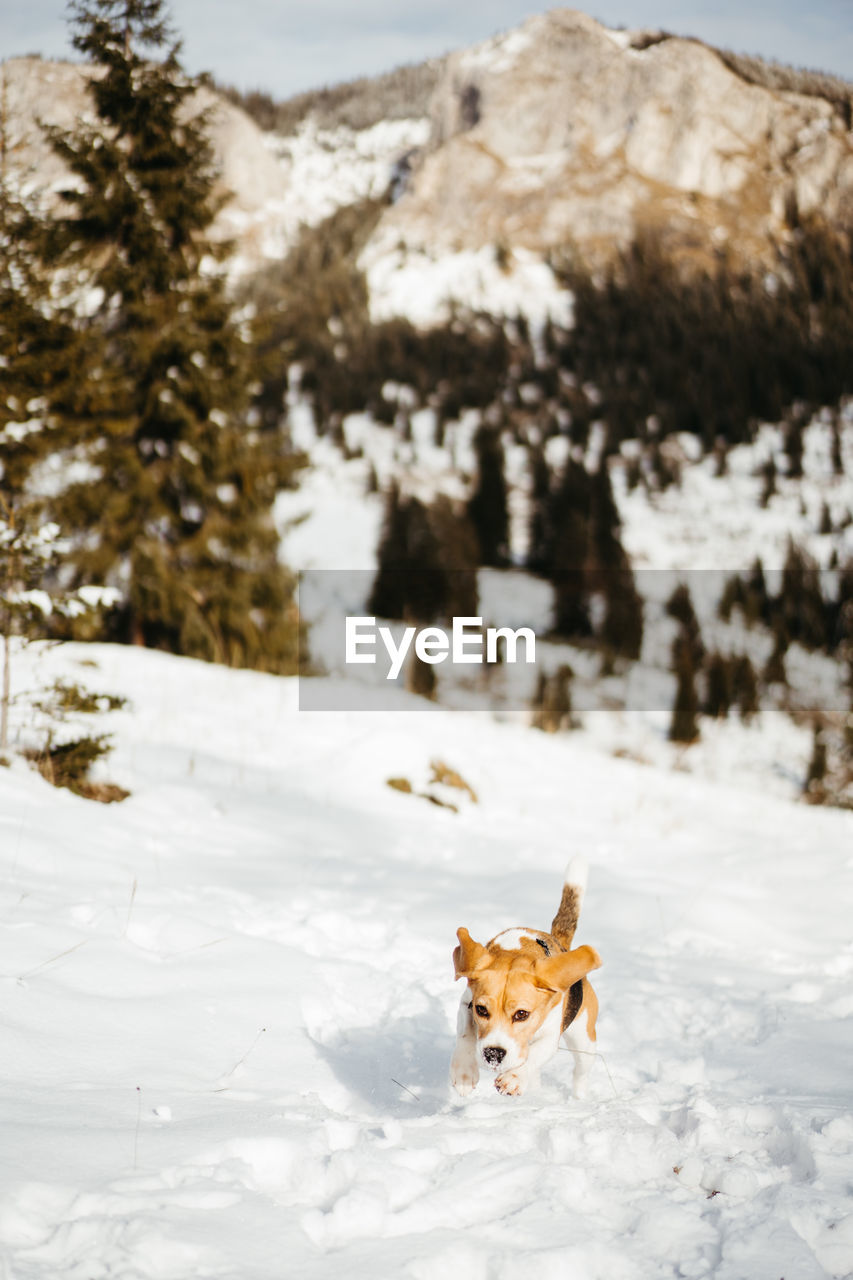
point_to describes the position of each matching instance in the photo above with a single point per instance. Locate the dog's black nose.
(493, 1055)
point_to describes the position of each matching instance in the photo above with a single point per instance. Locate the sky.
(285, 46)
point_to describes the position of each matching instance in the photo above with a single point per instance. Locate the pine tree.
(176, 511)
(633, 472)
(539, 536)
(38, 362)
(718, 692)
(768, 489)
(774, 669)
(757, 604)
(793, 441)
(836, 454)
(734, 593)
(38, 354)
(569, 553)
(842, 639)
(801, 601)
(605, 525)
(680, 607)
(684, 725)
(488, 505)
(745, 687)
(427, 562)
(814, 787)
(388, 596)
(621, 632)
(23, 553)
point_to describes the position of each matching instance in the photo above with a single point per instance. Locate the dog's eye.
(520, 1015)
(482, 1011)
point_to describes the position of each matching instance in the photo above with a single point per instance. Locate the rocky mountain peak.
(564, 132)
(38, 91)
(559, 136)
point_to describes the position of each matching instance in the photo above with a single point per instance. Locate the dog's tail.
(574, 885)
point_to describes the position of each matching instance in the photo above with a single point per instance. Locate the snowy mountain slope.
(320, 170)
(39, 92)
(556, 132)
(229, 1003)
(698, 531)
(427, 286)
(277, 184)
(706, 521)
(718, 522)
(558, 135)
(272, 186)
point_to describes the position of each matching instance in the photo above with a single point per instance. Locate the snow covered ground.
(717, 522)
(426, 287)
(699, 532)
(311, 173)
(228, 1003)
(325, 169)
(706, 521)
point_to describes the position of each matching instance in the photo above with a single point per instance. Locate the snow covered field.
(697, 532)
(228, 1004)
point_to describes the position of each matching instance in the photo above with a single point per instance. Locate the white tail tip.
(577, 873)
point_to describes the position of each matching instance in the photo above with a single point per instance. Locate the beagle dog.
(526, 989)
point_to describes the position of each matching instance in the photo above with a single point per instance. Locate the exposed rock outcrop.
(559, 135)
(37, 91)
(565, 132)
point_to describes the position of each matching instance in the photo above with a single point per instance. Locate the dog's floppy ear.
(560, 972)
(468, 956)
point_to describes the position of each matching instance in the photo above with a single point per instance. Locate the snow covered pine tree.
(174, 507)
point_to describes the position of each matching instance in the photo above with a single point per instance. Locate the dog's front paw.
(512, 1082)
(464, 1079)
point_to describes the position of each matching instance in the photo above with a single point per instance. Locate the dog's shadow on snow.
(399, 1067)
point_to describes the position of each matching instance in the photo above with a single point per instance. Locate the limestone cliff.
(560, 135)
(565, 132)
(36, 91)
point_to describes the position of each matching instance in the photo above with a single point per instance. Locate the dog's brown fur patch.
(566, 920)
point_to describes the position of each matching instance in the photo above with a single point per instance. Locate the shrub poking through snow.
(443, 782)
(552, 701)
(400, 784)
(66, 762)
(441, 774)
